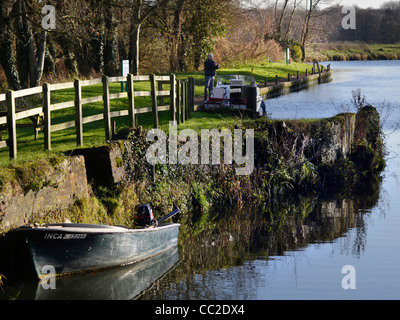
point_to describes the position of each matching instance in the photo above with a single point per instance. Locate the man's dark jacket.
(210, 68)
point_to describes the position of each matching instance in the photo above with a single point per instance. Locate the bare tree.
(141, 11)
(296, 4)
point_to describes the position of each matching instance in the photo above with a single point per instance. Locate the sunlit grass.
(94, 133)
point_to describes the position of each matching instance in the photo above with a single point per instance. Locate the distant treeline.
(374, 25)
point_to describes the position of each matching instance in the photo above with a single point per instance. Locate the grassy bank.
(288, 162)
(30, 149)
(354, 51)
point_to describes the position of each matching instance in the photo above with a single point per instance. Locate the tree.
(310, 27)
(169, 22)
(206, 23)
(7, 57)
(140, 12)
(24, 67)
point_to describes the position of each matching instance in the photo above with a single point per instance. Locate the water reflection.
(237, 256)
(121, 283)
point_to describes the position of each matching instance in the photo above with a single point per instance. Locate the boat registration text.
(65, 236)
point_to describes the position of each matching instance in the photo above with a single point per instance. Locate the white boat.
(233, 91)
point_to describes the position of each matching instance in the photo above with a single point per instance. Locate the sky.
(364, 3)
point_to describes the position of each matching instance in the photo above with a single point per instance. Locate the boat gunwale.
(94, 229)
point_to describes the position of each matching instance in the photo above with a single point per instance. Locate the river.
(367, 239)
(301, 250)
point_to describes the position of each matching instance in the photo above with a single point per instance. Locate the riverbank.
(338, 153)
(354, 51)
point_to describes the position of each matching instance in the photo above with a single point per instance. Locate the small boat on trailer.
(69, 248)
(234, 91)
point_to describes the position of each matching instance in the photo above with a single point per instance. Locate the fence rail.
(181, 96)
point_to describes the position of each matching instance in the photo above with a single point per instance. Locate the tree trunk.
(176, 36)
(286, 36)
(7, 59)
(134, 48)
(306, 28)
(36, 60)
(111, 41)
(279, 26)
(22, 39)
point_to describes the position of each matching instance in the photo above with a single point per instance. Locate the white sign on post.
(124, 71)
(124, 68)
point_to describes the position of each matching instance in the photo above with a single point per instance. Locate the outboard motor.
(144, 216)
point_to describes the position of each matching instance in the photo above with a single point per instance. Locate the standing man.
(210, 67)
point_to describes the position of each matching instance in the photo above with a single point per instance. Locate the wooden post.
(298, 75)
(11, 124)
(78, 112)
(187, 101)
(131, 101)
(183, 98)
(191, 95)
(178, 101)
(47, 117)
(276, 79)
(252, 99)
(154, 100)
(160, 88)
(306, 72)
(172, 97)
(114, 129)
(265, 81)
(288, 77)
(107, 111)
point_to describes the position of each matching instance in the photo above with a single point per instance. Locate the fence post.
(154, 100)
(11, 123)
(191, 95)
(276, 79)
(183, 99)
(106, 101)
(78, 112)
(178, 101)
(131, 101)
(47, 117)
(187, 100)
(172, 97)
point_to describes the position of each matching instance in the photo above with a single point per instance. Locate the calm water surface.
(369, 240)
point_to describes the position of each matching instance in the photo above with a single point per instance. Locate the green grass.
(94, 133)
(356, 51)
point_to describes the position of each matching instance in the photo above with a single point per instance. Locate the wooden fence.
(181, 96)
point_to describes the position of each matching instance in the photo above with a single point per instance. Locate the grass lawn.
(355, 51)
(94, 134)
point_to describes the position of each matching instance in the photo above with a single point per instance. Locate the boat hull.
(74, 248)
